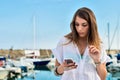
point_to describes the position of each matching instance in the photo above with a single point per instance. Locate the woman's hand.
(64, 67)
(94, 53)
(69, 66)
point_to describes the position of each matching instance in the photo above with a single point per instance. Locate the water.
(45, 73)
(113, 76)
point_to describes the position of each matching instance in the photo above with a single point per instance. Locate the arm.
(100, 67)
(101, 70)
(59, 67)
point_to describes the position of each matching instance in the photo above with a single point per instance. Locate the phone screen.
(69, 61)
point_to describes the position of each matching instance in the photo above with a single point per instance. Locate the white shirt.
(86, 69)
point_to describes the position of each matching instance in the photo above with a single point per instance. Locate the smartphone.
(68, 61)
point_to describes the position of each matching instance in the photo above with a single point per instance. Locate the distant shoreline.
(44, 53)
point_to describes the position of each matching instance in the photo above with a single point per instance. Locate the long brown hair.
(93, 36)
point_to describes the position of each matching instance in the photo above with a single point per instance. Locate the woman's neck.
(83, 41)
(82, 44)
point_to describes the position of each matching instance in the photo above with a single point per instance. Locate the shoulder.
(64, 40)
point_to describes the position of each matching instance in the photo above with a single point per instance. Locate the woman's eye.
(84, 25)
(76, 24)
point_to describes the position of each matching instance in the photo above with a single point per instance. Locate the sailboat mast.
(108, 38)
(34, 33)
(118, 38)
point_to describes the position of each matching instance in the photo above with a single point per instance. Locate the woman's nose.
(80, 27)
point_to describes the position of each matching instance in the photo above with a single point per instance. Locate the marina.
(31, 28)
(45, 72)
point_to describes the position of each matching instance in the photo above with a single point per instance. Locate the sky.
(40, 24)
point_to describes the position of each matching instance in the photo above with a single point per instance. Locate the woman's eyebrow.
(84, 23)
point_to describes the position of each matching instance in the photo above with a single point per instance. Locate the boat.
(114, 66)
(23, 65)
(2, 61)
(32, 56)
(3, 73)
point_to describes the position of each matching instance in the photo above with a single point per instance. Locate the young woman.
(80, 55)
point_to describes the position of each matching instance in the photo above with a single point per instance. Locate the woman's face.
(82, 27)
